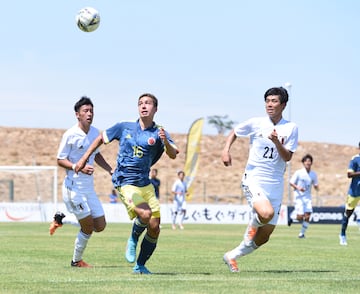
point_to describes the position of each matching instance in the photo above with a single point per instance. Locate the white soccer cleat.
(343, 241)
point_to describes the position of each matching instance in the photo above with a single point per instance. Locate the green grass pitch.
(188, 261)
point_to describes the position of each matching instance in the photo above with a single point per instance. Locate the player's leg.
(300, 216)
(76, 203)
(246, 247)
(307, 207)
(149, 242)
(183, 214)
(81, 241)
(351, 203)
(138, 210)
(262, 212)
(176, 209)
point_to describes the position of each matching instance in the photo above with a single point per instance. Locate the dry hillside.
(214, 182)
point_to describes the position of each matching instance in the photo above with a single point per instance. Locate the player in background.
(78, 188)
(353, 197)
(273, 141)
(155, 181)
(141, 144)
(179, 191)
(302, 180)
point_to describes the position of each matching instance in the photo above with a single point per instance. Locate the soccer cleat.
(80, 263)
(343, 241)
(181, 227)
(301, 236)
(231, 263)
(130, 253)
(141, 269)
(174, 227)
(57, 222)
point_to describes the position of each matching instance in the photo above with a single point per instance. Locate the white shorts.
(302, 205)
(255, 193)
(179, 206)
(81, 203)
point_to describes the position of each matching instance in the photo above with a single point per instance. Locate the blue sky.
(199, 57)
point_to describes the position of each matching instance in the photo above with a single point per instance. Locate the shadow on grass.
(296, 271)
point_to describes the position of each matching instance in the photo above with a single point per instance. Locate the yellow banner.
(192, 154)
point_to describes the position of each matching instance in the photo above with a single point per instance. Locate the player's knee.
(266, 216)
(145, 216)
(100, 228)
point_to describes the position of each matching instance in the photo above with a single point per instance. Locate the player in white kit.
(302, 180)
(78, 188)
(273, 141)
(179, 191)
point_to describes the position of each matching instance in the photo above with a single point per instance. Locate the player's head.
(154, 99)
(181, 174)
(278, 91)
(307, 157)
(83, 101)
(359, 145)
(153, 172)
(84, 111)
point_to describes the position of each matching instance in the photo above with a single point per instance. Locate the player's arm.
(353, 174)
(65, 163)
(82, 162)
(285, 154)
(100, 160)
(170, 150)
(225, 155)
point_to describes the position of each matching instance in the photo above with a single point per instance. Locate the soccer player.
(302, 181)
(141, 144)
(78, 188)
(179, 191)
(155, 181)
(273, 141)
(353, 197)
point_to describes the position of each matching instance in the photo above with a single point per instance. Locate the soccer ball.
(88, 19)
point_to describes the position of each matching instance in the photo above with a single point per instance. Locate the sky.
(199, 57)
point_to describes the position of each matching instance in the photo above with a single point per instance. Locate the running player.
(179, 191)
(141, 144)
(78, 188)
(302, 181)
(273, 141)
(353, 197)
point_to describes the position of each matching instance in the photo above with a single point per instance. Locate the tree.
(221, 123)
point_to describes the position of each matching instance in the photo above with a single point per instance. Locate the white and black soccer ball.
(88, 19)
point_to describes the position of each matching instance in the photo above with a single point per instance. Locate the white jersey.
(265, 166)
(180, 189)
(73, 145)
(305, 180)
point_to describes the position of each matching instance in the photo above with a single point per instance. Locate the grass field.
(188, 261)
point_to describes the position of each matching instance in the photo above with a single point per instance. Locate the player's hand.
(226, 158)
(162, 134)
(274, 136)
(80, 165)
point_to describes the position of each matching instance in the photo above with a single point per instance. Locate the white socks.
(80, 245)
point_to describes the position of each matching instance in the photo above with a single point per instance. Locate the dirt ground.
(214, 182)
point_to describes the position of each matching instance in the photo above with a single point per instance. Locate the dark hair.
(278, 91)
(83, 101)
(306, 157)
(154, 99)
(180, 172)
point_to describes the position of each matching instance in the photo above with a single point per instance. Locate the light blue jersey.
(138, 151)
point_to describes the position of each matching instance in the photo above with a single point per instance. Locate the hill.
(214, 181)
